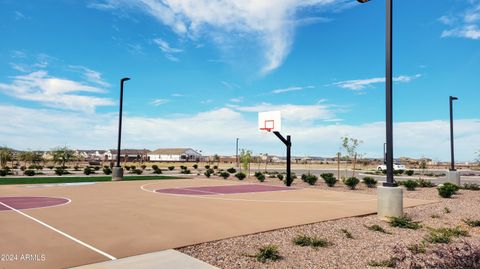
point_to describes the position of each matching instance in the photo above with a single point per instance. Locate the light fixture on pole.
(117, 172)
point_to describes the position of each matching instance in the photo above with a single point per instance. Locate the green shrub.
(390, 263)
(329, 179)
(215, 167)
(409, 173)
(3, 173)
(411, 185)
(260, 176)
(87, 171)
(207, 173)
(352, 182)
(268, 252)
(404, 222)
(195, 166)
(185, 171)
(472, 223)
(183, 167)
(423, 183)
(154, 166)
(304, 177)
(207, 166)
(307, 241)
(370, 182)
(76, 168)
(447, 190)
(446, 210)
(471, 186)
(377, 228)
(171, 168)
(29, 172)
(280, 176)
(444, 235)
(50, 167)
(107, 170)
(23, 168)
(398, 172)
(127, 167)
(347, 233)
(60, 171)
(231, 170)
(240, 176)
(225, 175)
(97, 168)
(137, 171)
(157, 170)
(143, 166)
(310, 179)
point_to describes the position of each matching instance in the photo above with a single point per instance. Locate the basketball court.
(70, 225)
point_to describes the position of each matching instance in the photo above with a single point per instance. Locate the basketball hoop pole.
(288, 143)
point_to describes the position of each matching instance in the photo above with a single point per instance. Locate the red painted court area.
(219, 190)
(30, 202)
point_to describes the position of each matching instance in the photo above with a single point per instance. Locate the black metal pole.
(389, 94)
(289, 161)
(120, 120)
(452, 146)
(288, 144)
(236, 154)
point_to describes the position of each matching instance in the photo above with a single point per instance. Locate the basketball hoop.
(269, 122)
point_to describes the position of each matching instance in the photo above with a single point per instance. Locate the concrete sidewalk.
(169, 259)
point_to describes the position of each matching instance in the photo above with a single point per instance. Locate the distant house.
(91, 155)
(174, 155)
(129, 155)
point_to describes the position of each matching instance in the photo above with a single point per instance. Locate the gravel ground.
(365, 246)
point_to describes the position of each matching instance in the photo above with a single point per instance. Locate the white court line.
(209, 192)
(60, 232)
(143, 188)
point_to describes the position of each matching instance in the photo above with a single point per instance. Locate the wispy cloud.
(292, 112)
(361, 84)
(237, 100)
(158, 102)
(167, 49)
(55, 92)
(292, 89)
(91, 75)
(465, 24)
(176, 94)
(271, 23)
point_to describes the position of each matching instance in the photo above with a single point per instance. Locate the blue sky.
(201, 70)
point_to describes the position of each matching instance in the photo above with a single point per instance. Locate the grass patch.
(435, 216)
(472, 223)
(404, 222)
(417, 248)
(45, 180)
(307, 241)
(377, 228)
(266, 253)
(347, 233)
(444, 235)
(390, 263)
(446, 210)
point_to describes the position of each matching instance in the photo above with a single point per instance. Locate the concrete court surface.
(110, 220)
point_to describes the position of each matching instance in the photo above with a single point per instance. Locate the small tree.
(63, 155)
(245, 159)
(5, 156)
(350, 145)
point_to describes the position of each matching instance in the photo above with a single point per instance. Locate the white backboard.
(270, 121)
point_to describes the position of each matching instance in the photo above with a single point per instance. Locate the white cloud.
(464, 24)
(158, 102)
(290, 112)
(236, 100)
(291, 89)
(91, 75)
(361, 84)
(272, 23)
(214, 132)
(54, 92)
(167, 49)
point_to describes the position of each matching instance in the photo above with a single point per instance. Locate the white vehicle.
(396, 166)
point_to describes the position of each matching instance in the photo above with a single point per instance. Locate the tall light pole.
(388, 92)
(117, 172)
(452, 147)
(236, 154)
(390, 196)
